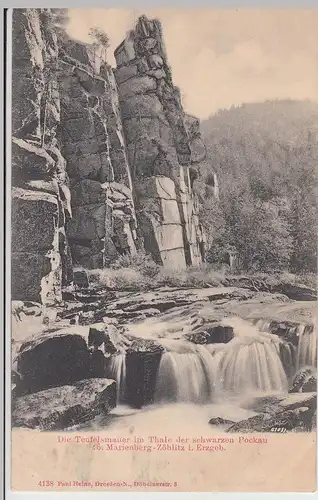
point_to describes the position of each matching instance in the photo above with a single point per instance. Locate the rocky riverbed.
(229, 347)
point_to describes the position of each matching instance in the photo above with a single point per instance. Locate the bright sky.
(224, 57)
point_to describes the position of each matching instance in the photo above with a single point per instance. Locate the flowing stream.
(253, 361)
(307, 348)
(197, 382)
(117, 371)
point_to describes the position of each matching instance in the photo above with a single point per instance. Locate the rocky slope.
(102, 160)
(128, 337)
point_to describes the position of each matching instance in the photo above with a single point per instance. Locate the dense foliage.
(265, 156)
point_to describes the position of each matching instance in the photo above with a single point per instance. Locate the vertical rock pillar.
(162, 144)
(104, 222)
(40, 193)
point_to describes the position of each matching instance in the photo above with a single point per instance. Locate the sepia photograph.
(163, 191)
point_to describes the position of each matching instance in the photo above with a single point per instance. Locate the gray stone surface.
(161, 141)
(85, 141)
(61, 407)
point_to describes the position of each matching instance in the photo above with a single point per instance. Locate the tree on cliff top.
(100, 40)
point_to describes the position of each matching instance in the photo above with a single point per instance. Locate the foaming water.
(175, 419)
(307, 348)
(251, 366)
(202, 374)
(305, 354)
(251, 361)
(186, 376)
(117, 371)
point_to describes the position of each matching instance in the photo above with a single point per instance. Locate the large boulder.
(305, 380)
(80, 278)
(142, 364)
(299, 419)
(295, 412)
(36, 266)
(297, 292)
(51, 359)
(61, 407)
(213, 333)
(287, 330)
(109, 336)
(219, 421)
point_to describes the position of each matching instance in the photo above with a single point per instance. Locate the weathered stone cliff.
(162, 143)
(102, 164)
(104, 222)
(40, 185)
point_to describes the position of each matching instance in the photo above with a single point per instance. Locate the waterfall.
(251, 361)
(199, 374)
(307, 347)
(254, 366)
(287, 353)
(306, 350)
(186, 376)
(117, 371)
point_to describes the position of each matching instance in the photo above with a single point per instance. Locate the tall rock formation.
(162, 144)
(101, 164)
(40, 186)
(104, 222)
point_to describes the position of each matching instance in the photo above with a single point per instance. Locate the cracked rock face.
(40, 195)
(162, 143)
(104, 222)
(101, 159)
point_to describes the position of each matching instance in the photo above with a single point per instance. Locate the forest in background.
(265, 156)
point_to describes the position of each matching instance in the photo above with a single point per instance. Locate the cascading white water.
(117, 371)
(252, 366)
(306, 350)
(286, 350)
(197, 374)
(251, 361)
(287, 354)
(307, 347)
(186, 374)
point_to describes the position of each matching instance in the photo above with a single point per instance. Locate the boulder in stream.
(142, 364)
(295, 412)
(61, 407)
(305, 380)
(213, 333)
(221, 421)
(109, 335)
(51, 359)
